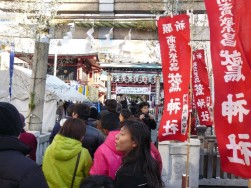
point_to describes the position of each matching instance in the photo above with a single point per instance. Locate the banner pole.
(189, 122)
(188, 150)
(249, 183)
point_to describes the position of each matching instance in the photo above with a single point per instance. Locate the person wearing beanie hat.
(10, 122)
(16, 169)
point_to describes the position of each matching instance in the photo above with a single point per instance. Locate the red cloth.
(156, 155)
(201, 90)
(193, 126)
(230, 26)
(30, 140)
(174, 38)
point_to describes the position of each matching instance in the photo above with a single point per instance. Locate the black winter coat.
(55, 131)
(151, 123)
(16, 170)
(93, 139)
(130, 177)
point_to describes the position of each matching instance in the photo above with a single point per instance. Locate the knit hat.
(10, 122)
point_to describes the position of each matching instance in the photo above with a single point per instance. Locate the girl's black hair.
(140, 156)
(139, 109)
(125, 113)
(142, 104)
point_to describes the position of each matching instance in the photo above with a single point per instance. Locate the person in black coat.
(93, 118)
(16, 170)
(60, 123)
(110, 106)
(93, 137)
(143, 114)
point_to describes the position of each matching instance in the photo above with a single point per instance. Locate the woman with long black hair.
(139, 168)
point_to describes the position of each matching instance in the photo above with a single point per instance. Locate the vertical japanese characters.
(230, 23)
(174, 37)
(201, 91)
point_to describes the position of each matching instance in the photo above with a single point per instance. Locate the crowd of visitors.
(107, 149)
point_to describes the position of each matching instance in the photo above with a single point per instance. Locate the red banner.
(230, 26)
(174, 37)
(201, 91)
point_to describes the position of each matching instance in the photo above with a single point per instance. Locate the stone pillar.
(201, 129)
(109, 83)
(38, 81)
(174, 157)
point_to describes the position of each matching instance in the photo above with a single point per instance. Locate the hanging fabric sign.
(230, 26)
(201, 91)
(133, 90)
(174, 37)
(12, 55)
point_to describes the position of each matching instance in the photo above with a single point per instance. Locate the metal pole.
(249, 183)
(108, 96)
(189, 124)
(55, 63)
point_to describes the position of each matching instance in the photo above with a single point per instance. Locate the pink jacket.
(156, 155)
(107, 159)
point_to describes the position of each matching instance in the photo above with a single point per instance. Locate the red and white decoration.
(230, 26)
(174, 37)
(201, 91)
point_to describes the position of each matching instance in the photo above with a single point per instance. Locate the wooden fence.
(210, 173)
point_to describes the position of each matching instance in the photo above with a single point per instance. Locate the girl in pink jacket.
(107, 159)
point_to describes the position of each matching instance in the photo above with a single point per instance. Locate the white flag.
(89, 33)
(109, 35)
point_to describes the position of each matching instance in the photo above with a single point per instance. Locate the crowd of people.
(109, 149)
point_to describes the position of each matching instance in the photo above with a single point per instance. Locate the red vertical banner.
(230, 24)
(174, 37)
(201, 90)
